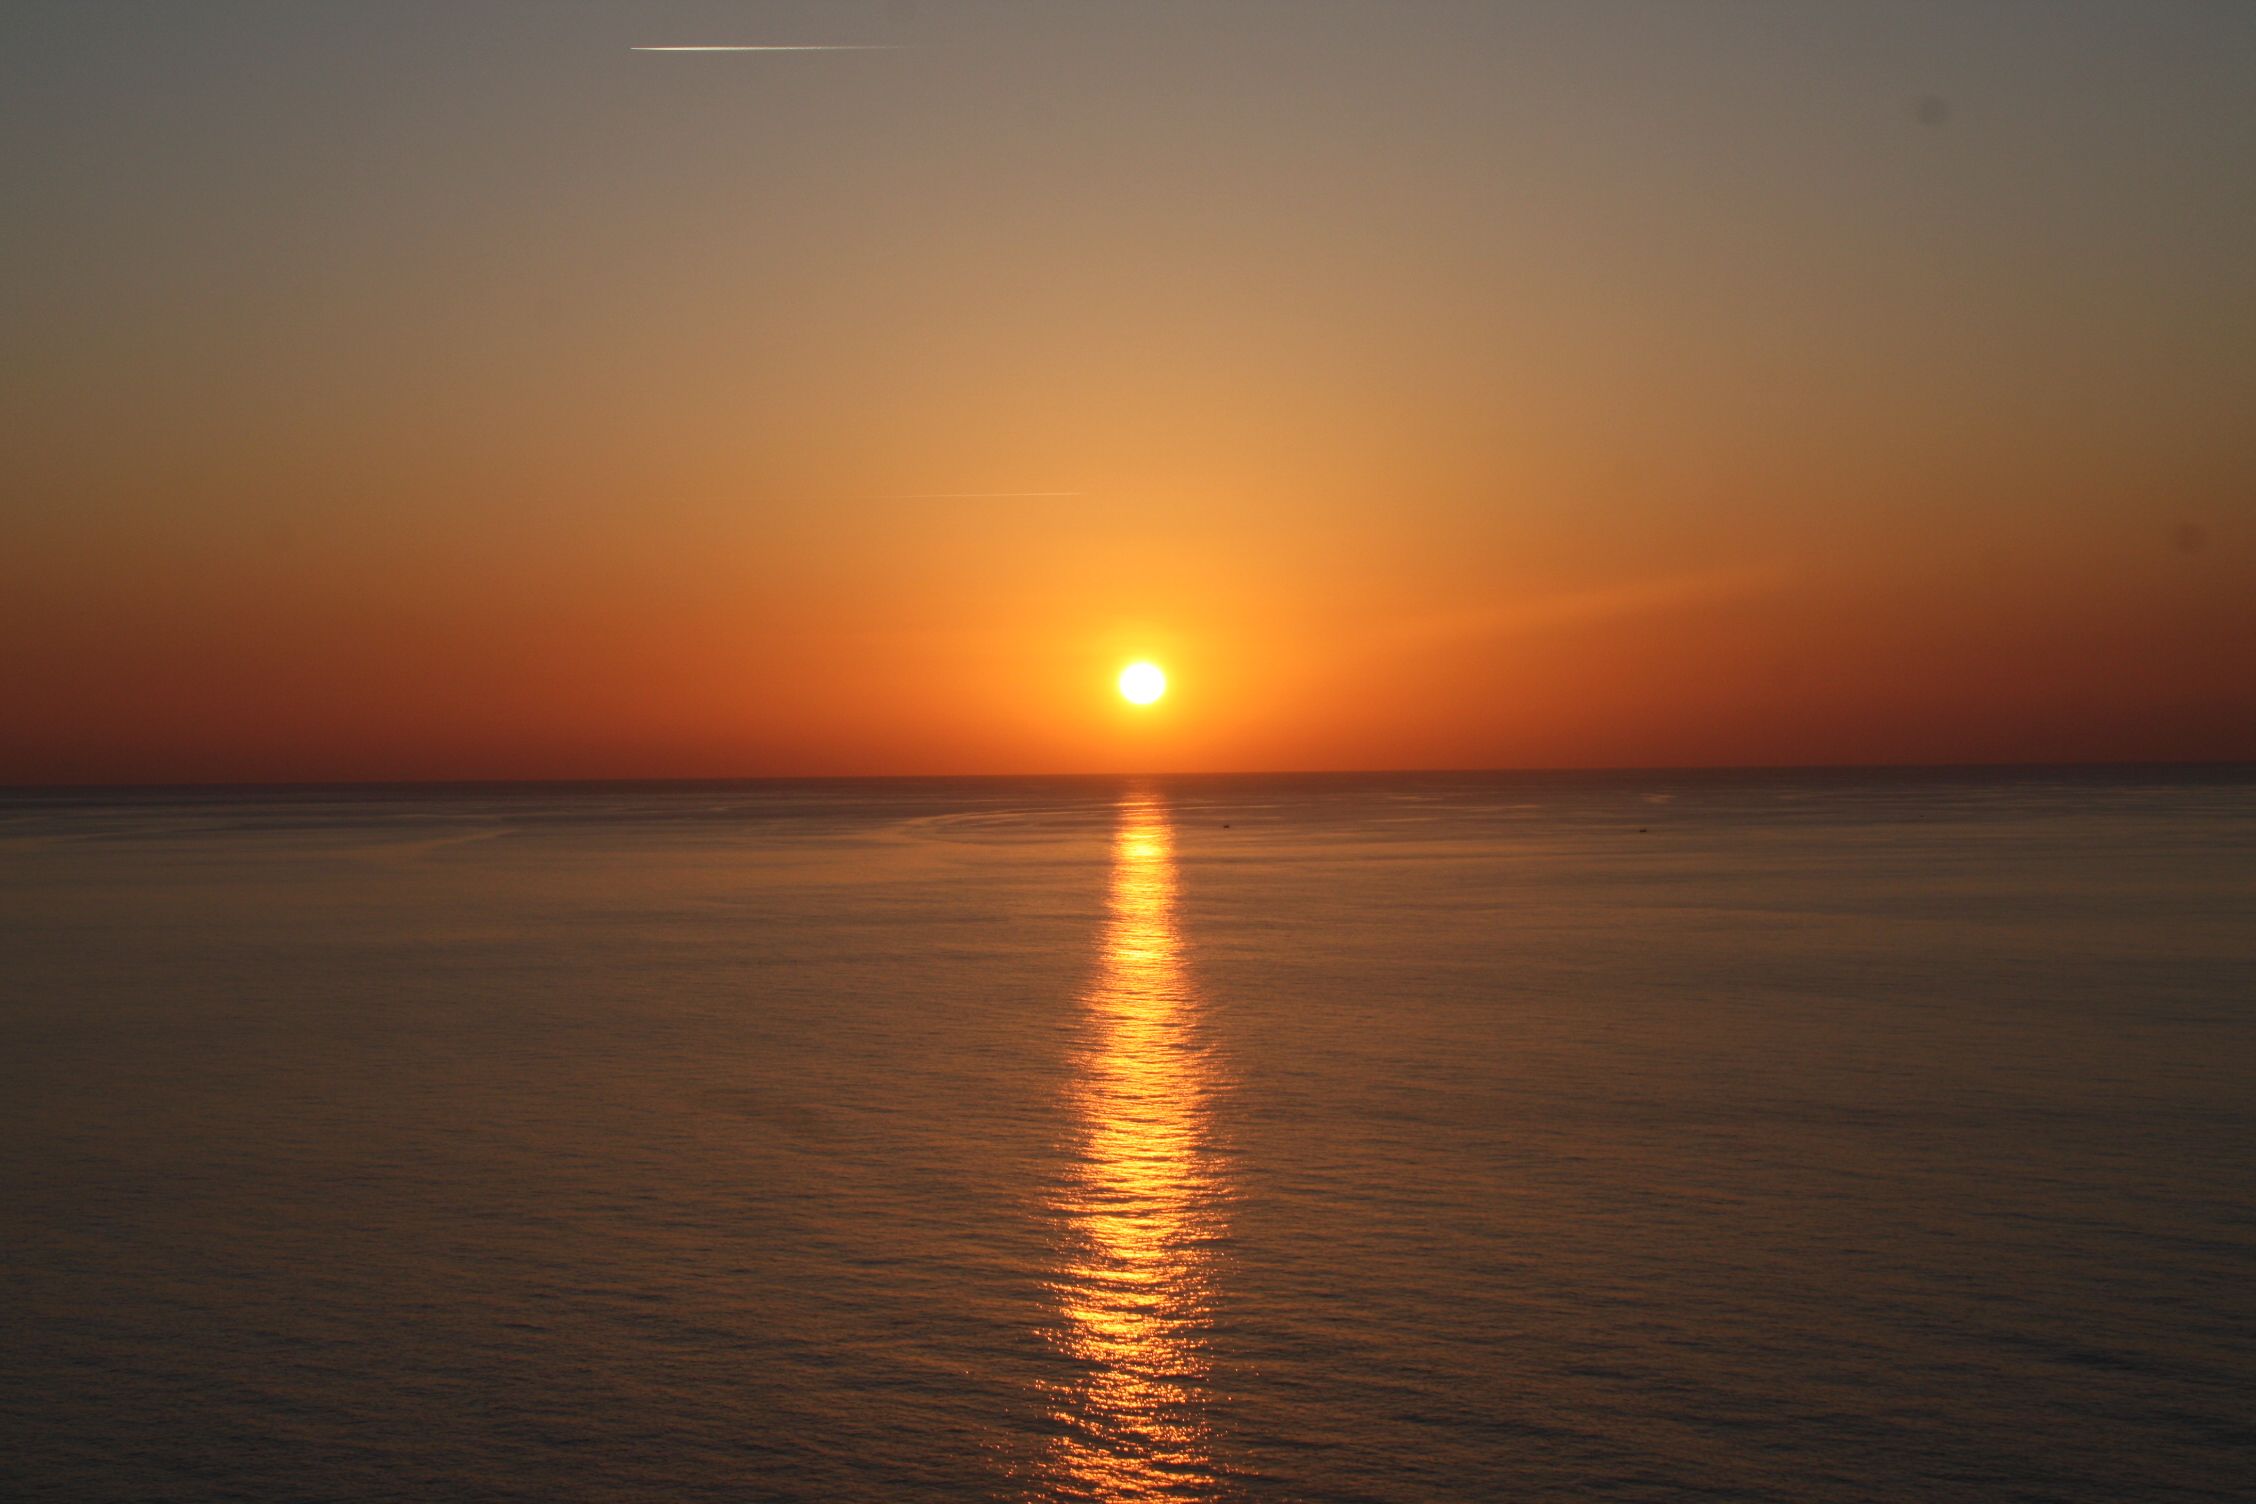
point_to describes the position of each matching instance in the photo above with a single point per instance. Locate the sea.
(1785, 1136)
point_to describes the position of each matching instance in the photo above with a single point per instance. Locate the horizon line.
(2247, 764)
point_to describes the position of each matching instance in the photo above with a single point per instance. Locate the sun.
(1142, 683)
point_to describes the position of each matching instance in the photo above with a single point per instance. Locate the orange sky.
(402, 394)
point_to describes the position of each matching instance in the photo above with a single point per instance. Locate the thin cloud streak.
(770, 47)
(1636, 598)
(970, 495)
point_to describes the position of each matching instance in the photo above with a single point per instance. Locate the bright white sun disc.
(1142, 683)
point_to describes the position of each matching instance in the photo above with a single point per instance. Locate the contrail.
(765, 47)
(971, 495)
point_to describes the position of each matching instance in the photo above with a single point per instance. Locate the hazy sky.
(447, 390)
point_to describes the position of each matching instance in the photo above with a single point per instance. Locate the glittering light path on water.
(1142, 1208)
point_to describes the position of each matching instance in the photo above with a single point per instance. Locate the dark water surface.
(1655, 1137)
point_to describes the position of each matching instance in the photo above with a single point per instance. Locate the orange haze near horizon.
(1551, 386)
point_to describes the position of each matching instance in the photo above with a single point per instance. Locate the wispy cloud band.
(768, 47)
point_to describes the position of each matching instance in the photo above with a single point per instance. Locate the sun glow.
(1142, 683)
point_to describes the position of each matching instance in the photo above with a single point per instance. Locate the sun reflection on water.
(1142, 1210)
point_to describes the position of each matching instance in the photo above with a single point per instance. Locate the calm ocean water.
(1807, 1138)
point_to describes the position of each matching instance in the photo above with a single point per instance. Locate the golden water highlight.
(1143, 1208)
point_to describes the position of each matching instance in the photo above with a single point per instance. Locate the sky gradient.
(449, 391)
